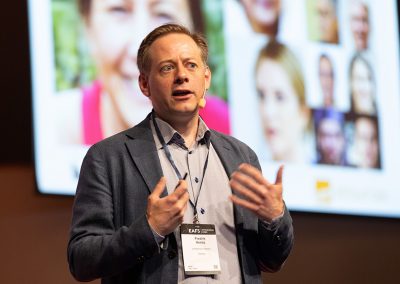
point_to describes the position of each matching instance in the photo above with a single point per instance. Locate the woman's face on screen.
(283, 117)
(263, 14)
(366, 143)
(362, 88)
(117, 27)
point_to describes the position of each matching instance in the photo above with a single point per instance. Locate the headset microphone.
(202, 102)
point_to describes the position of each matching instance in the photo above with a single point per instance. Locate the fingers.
(255, 193)
(240, 183)
(182, 199)
(180, 189)
(244, 203)
(254, 173)
(248, 181)
(159, 188)
(166, 213)
(179, 197)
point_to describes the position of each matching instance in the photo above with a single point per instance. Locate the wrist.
(154, 228)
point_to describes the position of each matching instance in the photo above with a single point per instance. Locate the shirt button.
(278, 240)
(196, 179)
(190, 152)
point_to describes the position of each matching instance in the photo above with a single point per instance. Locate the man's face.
(177, 77)
(330, 141)
(359, 24)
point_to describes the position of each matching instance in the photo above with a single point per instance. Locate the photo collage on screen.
(345, 136)
(314, 78)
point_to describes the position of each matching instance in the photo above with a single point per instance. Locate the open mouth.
(181, 93)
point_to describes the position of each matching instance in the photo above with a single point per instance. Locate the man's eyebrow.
(189, 58)
(165, 61)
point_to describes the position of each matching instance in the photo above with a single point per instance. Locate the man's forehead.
(173, 42)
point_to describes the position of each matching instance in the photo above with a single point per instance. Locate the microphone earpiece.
(202, 102)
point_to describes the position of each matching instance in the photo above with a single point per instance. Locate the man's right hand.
(166, 213)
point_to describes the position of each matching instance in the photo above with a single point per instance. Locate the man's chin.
(187, 109)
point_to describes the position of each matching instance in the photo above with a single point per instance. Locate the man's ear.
(207, 76)
(144, 84)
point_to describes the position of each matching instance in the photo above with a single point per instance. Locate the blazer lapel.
(231, 162)
(143, 151)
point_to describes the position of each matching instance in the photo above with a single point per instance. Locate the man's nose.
(181, 75)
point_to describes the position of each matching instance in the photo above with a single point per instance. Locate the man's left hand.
(260, 196)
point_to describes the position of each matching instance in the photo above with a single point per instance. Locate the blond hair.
(281, 54)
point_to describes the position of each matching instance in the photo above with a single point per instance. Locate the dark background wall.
(34, 228)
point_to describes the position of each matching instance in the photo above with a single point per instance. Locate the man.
(132, 196)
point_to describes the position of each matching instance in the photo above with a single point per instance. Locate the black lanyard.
(172, 162)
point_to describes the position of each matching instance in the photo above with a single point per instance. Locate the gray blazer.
(110, 236)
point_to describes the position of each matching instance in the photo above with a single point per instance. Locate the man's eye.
(192, 65)
(167, 68)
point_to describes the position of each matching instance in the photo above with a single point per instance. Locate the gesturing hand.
(166, 213)
(260, 196)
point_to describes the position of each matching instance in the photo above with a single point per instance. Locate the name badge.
(200, 250)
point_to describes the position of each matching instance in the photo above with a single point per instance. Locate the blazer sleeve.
(97, 248)
(275, 241)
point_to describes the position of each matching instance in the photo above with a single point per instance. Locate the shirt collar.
(171, 136)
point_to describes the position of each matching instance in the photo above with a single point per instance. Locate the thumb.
(279, 175)
(159, 188)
